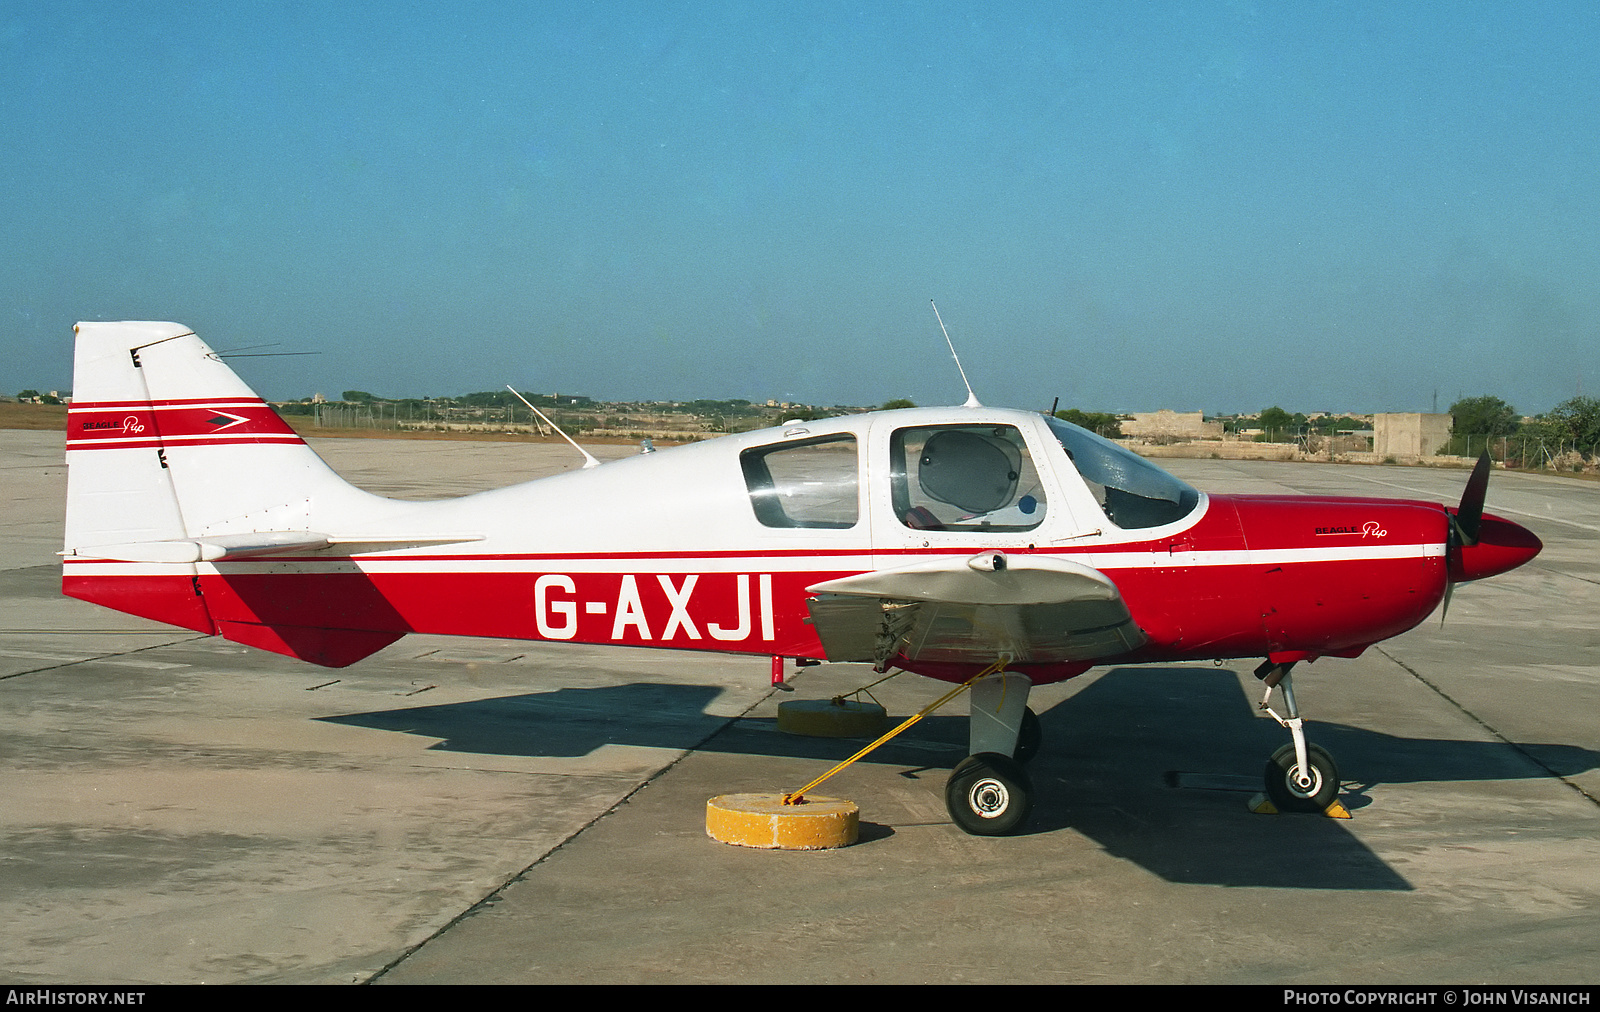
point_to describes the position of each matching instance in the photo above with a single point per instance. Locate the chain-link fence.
(1530, 452)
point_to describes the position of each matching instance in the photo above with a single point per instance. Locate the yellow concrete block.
(832, 718)
(764, 821)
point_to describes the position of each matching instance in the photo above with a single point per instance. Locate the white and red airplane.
(937, 540)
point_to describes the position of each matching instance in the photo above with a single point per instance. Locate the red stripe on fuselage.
(1189, 612)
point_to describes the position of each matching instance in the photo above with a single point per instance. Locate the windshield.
(1132, 491)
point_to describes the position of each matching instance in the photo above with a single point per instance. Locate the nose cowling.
(1501, 547)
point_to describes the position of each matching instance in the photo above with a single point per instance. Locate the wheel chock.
(1261, 805)
(765, 822)
(832, 718)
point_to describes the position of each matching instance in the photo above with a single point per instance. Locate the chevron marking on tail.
(196, 421)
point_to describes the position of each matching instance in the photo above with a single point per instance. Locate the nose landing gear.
(1300, 777)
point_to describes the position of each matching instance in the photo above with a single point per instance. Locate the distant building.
(1171, 425)
(1409, 434)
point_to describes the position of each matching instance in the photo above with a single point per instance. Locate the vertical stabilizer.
(155, 409)
(165, 444)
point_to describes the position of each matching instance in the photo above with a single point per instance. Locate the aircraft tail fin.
(172, 461)
(164, 441)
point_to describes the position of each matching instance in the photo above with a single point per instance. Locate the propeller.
(1466, 526)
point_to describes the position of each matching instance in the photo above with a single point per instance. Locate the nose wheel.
(1295, 789)
(1300, 776)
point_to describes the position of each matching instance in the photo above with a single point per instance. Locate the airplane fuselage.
(608, 556)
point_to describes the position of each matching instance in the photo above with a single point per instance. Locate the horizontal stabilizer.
(223, 547)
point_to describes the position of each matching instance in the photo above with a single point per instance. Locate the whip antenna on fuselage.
(588, 458)
(972, 398)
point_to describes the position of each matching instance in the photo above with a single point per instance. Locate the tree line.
(1574, 422)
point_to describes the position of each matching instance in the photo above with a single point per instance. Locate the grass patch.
(46, 417)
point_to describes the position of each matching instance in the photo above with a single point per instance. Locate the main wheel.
(1285, 788)
(989, 794)
(1029, 737)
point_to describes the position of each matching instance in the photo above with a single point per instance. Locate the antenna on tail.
(972, 398)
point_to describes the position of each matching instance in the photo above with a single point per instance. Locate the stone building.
(1170, 425)
(1409, 434)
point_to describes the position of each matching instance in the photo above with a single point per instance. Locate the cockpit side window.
(1133, 492)
(965, 477)
(810, 484)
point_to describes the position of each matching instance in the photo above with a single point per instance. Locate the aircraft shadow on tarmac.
(1154, 764)
(565, 723)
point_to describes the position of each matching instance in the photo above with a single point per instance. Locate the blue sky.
(1326, 206)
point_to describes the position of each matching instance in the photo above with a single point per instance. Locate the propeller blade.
(1469, 515)
(1466, 524)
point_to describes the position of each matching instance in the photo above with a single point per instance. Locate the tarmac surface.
(181, 809)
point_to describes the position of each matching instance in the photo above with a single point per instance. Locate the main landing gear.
(989, 793)
(1300, 777)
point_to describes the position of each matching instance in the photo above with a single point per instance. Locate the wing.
(1036, 609)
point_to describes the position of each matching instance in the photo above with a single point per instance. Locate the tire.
(989, 795)
(1029, 737)
(1289, 796)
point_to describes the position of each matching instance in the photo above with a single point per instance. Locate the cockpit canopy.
(1133, 492)
(954, 475)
